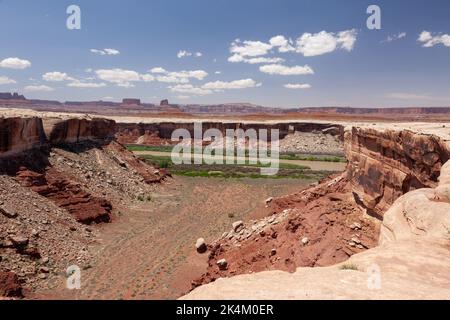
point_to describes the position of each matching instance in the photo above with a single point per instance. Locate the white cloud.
(259, 60)
(38, 88)
(15, 63)
(183, 97)
(394, 37)
(250, 48)
(56, 76)
(178, 76)
(158, 70)
(324, 42)
(147, 77)
(236, 84)
(212, 87)
(80, 84)
(184, 53)
(298, 86)
(217, 72)
(171, 79)
(285, 70)
(429, 40)
(106, 52)
(120, 77)
(283, 44)
(6, 80)
(112, 52)
(190, 89)
(307, 44)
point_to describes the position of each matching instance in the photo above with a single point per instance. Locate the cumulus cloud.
(80, 84)
(106, 52)
(56, 76)
(162, 75)
(190, 89)
(298, 86)
(324, 42)
(285, 70)
(283, 44)
(184, 53)
(211, 87)
(236, 84)
(120, 77)
(429, 40)
(307, 44)
(250, 48)
(158, 70)
(394, 37)
(38, 88)
(15, 63)
(6, 80)
(258, 60)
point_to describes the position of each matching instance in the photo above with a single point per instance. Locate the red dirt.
(323, 214)
(9, 285)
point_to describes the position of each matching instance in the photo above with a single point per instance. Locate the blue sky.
(325, 56)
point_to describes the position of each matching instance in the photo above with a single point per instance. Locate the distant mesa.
(164, 102)
(131, 102)
(11, 96)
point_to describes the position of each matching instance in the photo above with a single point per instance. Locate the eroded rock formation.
(20, 134)
(78, 130)
(385, 165)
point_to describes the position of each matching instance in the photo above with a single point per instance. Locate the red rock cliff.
(20, 134)
(383, 165)
(76, 130)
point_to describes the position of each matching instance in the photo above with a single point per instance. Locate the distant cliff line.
(133, 105)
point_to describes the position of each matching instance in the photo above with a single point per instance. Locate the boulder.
(223, 264)
(238, 225)
(200, 245)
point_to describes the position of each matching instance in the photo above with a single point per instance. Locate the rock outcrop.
(78, 130)
(20, 134)
(383, 165)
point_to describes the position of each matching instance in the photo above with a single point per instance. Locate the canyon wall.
(383, 165)
(156, 133)
(77, 130)
(20, 134)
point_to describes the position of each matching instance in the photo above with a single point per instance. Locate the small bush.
(164, 164)
(349, 266)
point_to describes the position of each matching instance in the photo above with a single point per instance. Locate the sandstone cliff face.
(77, 130)
(383, 165)
(20, 134)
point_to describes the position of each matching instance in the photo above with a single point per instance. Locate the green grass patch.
(305, 157)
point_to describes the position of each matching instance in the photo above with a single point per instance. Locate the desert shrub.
(349, 266)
